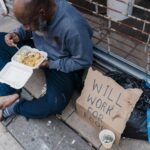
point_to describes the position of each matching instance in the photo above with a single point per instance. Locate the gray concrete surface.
(47, 134)
(128, 144)
(7, 141)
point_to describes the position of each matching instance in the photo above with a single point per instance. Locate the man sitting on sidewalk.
(57, 28)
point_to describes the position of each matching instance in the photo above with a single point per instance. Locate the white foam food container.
(17, 74)
(26, 49)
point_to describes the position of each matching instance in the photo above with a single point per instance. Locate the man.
(57, 28)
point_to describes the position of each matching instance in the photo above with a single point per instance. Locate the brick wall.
(129, 38)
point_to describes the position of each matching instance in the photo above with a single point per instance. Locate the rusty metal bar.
(137, 6)
(131, 27)
(116, 61)
(121, 50)
(134, 28)
(123, 43)
(107, 33)
(133, 17)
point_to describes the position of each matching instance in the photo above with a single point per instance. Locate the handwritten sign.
(105, 104)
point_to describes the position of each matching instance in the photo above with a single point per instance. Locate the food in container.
(30, 57)
(17, 72)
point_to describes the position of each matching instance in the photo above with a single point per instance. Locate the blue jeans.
(60, 87)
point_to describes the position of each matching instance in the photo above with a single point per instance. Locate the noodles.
(30, 58)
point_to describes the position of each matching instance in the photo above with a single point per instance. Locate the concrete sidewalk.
(53, 134)
(7, 141)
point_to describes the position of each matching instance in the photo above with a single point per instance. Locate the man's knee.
(43, 107)
(35, 109)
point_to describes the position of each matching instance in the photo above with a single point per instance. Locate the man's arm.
(23, 35)
(16, 36)
(81, 54)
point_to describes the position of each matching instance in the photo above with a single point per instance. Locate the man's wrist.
(17, 35)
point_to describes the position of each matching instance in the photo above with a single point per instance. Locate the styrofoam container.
(17, 74)
(27, 49)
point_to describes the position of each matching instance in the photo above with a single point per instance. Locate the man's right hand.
(11, 39)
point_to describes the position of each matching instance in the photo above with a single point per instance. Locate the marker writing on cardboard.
(91, 115)
(100, 105)
(107, 92)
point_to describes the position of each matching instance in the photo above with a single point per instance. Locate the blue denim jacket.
(67, 39)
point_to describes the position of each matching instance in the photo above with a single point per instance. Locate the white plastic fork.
(15, 45)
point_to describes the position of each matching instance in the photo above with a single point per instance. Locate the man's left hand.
(44, 64)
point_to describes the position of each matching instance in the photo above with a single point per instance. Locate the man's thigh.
(60, 87)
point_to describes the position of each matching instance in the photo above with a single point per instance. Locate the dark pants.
(60, 87)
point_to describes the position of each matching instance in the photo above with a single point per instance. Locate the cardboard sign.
(105, 104)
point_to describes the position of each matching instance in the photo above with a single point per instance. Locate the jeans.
(60, 88)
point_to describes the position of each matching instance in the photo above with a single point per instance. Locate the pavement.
(52, 134)
(7, 141)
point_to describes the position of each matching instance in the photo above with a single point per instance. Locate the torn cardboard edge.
(105, 104)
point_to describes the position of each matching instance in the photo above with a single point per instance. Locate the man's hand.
(11, 39)
(44, 64)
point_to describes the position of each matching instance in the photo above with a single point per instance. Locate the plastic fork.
(15, 45)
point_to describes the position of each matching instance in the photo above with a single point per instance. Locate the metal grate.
(127, 39)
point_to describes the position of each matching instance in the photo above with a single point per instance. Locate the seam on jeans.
(63, 95)
(56, 100)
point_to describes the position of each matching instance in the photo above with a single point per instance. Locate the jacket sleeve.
(23, 35)
(81, 54)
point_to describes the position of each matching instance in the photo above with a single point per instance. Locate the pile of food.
(29, 58)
